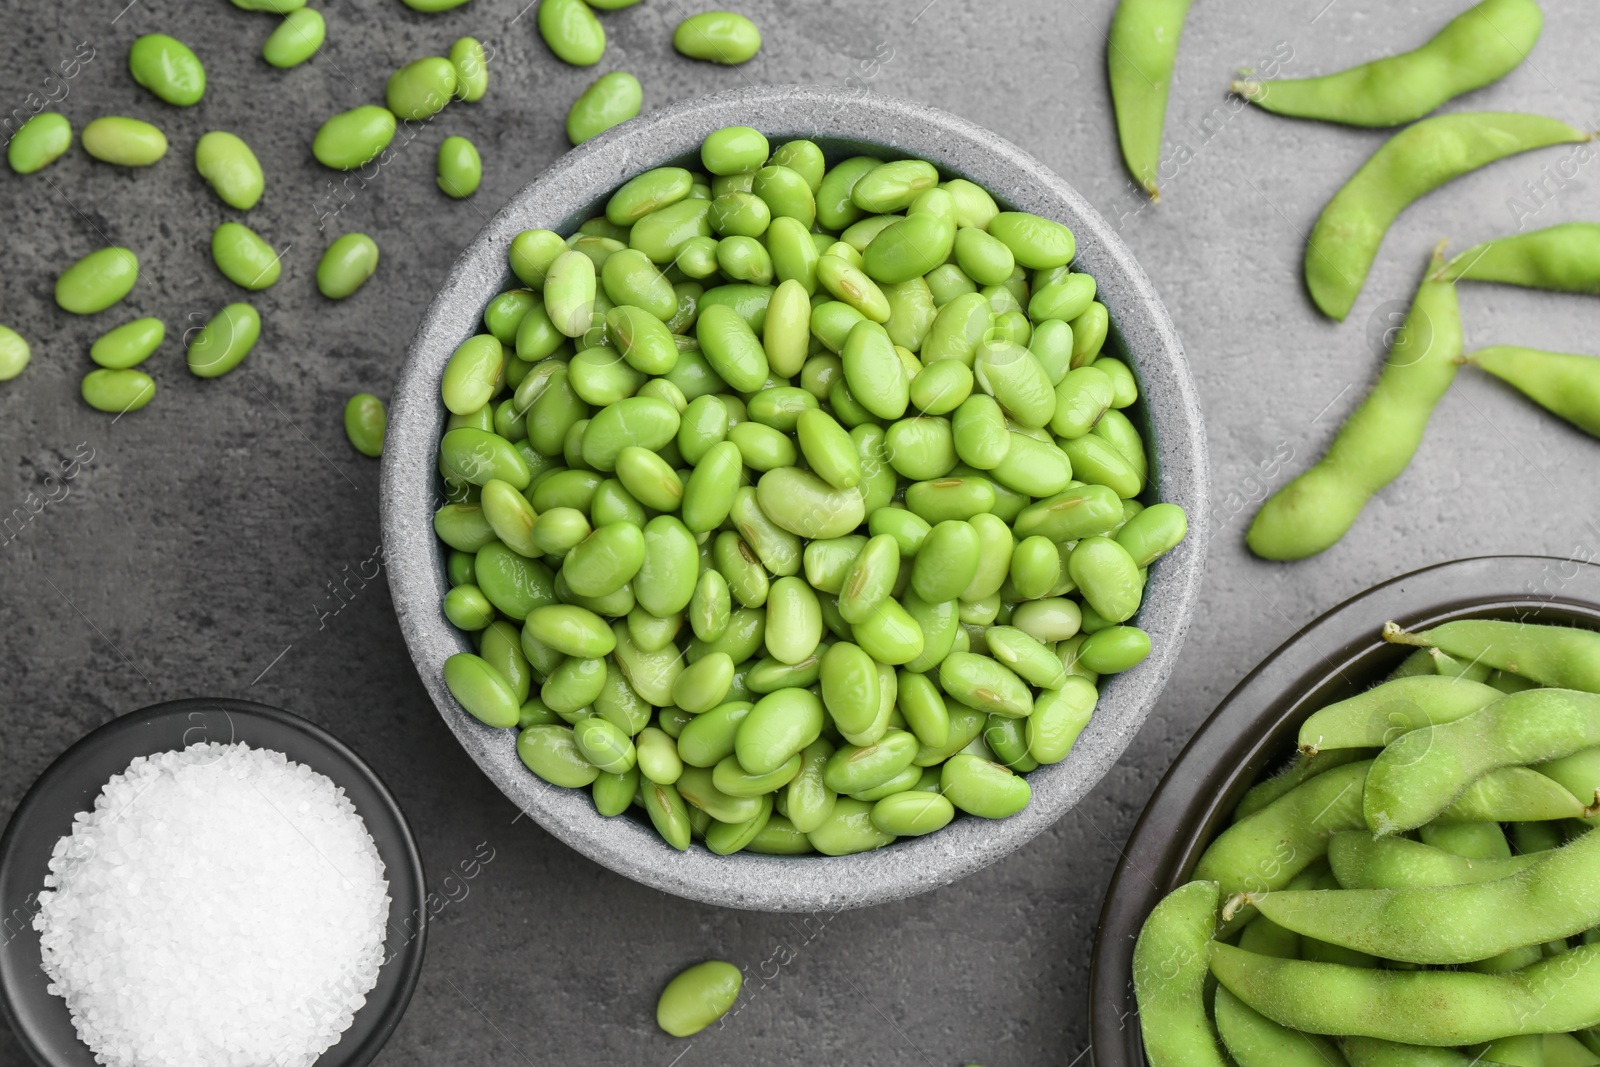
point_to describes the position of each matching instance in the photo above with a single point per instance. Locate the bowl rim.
(1336, 654)
(398, 845)
(567, 192)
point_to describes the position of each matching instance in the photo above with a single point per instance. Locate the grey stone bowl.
(843, 122)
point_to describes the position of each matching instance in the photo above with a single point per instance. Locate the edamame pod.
(1555, 995)
(1563, 657)
(1345, 240)
(1141, 50)
(1564, 385)
(1169, 976)
(1377, 441)
(1479, 46)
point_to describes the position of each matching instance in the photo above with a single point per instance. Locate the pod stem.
(1396, 634)
(1237, 903)
(1309, 751)
(1248, 88)
(1591, 810)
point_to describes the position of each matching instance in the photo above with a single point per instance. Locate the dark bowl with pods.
(1254, 730)
(843, 123)
(39, 1020)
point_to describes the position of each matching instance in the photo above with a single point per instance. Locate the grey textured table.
(224, 540)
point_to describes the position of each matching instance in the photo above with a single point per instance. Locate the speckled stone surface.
(200, 549)
(843, 122)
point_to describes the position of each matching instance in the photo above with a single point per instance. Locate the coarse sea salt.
(221, 906)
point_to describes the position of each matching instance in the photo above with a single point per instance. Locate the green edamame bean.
(476, 456)
(472, 69)
(421, 88)
(717, 37)
(126, 346)
(117, 391)
(243, 257)
(731, 347)
(499, 646)
(572, 32)
(1096, 461)
(39, 142)
(474, 374)
(224, 341)
(354, 138)
(364, 424)
(979, 787)
(986, 260)
(531, 253)
(647, 192)
(848, 829)
(1479, 46)
(610, 101)
(912, 814)
(708, 739)
(97, 281)
(786, 193)
(657, 756)
(1059, 716)
(123, 141)
(907, 248)
(298, 37)
(460, 169)
(604, 561)
(735, 781)
(603, 745)
(551, 752)
(1010, 373)
(803, 504)
(570, 630)
(734, 150)
(1153, 532)
(667, 813)
(1116, 648)
(614, 793)
(779, 725)
(228, 165)
(858, 768)
(835, 208)
(1083, 397)
(482, 691)
(1107, 577)
(698, 997)
(794, 621)
(468, 609)
(985, 684)
(698, 790)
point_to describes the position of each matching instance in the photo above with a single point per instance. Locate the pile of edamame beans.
(351, 139)
(795, 504)
(1420, 886)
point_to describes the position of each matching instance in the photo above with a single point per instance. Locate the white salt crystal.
(220, 905)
